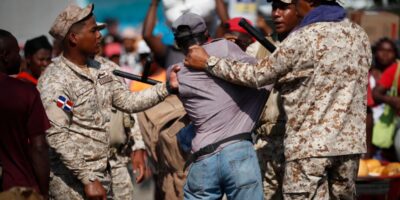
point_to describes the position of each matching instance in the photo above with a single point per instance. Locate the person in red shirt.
(38, 56)
(385, 83)
(23, 147)
(385, 54)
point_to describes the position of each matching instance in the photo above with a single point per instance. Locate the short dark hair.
(382, 41)
(4, 35)
(35, 44)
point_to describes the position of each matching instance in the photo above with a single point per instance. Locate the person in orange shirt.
(37, 53)
(156, 72)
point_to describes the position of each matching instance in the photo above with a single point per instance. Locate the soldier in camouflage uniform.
(321, 70)
(78, 94)
(272, 122)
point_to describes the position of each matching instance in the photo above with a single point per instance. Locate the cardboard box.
(377, 24)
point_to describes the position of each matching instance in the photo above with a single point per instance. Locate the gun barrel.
(257, 35)
(135, 77)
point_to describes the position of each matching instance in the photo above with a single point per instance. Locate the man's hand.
(231, 37)
(139, 164)
(173, 79)
(196, 58)
(95, 191)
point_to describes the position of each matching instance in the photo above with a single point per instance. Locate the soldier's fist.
(196, 58)
(95, 191)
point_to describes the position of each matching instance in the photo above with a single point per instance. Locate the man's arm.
(40, 162)
(154, 42)
(138, 150)
(222, 11)
(133, 102)
(37, 125)
(223, 15)
(265, 72)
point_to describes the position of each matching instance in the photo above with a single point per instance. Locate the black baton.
(135, 77)
(257, 35)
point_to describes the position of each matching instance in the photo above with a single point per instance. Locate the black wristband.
(169, 89)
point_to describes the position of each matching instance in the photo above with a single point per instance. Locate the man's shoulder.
(216, 45)
(55, 74)
(22, 86)
(57, 68)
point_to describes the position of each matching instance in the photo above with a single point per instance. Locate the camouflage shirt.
(78, 103)
(321, 72)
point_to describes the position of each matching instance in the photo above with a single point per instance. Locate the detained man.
(223, 159)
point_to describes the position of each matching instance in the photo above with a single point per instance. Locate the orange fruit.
(391, 169)
(363, 168)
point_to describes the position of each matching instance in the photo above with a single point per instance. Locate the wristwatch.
(211, 62)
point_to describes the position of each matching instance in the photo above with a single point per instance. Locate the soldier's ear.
(73, 38)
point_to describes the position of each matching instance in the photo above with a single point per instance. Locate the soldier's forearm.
(233, 71)
(133, 102)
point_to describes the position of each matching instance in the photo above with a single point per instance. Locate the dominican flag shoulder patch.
(64, 103)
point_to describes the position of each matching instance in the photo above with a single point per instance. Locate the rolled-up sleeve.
(265, 72)
(137, 101)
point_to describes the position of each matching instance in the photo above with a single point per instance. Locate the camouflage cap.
(69, 16)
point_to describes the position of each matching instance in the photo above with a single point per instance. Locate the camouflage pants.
(321, 178)
(67, 187)
(120, 179)
(271, 158)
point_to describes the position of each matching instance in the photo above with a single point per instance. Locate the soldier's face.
(89, 37)
(285, 16)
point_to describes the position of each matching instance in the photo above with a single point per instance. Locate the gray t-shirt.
(219, 109)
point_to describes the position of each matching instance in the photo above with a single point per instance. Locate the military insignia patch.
(105, 79)
(64, 103)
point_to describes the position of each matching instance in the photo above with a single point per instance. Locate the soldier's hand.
(173, 79)
(139, 164)
(196, 58)
(95, 191)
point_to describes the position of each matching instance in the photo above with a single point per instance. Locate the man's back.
(22, 117)
(219, 109)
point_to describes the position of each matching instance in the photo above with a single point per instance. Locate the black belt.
(212, 147)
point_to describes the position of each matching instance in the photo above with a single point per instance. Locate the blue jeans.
(233, 171)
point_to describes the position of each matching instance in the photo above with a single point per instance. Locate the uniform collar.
(79, 70)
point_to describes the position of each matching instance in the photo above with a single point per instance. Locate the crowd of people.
(228, 118)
